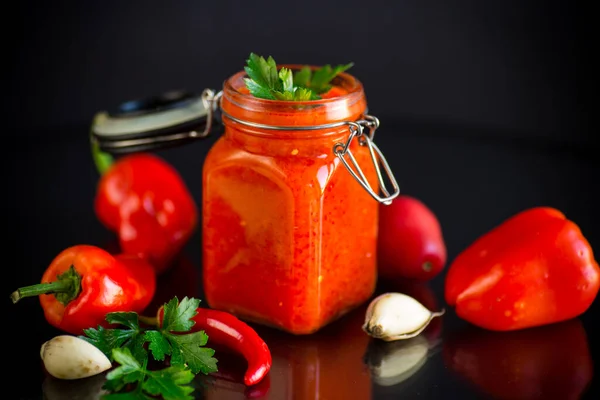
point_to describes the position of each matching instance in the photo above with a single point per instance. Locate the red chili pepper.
(227, 330)
(535, 268)
(83, 283)
(144, 199)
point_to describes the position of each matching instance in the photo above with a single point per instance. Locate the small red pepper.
(226, 330)
(410, 243)
(83, 283)
(146, 202)
(535, 268)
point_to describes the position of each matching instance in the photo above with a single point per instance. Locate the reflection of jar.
(289, 216)
(329, 364)
(289, 235)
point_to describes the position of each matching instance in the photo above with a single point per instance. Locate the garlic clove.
(70, 357)
(393, 362)
(396, 316)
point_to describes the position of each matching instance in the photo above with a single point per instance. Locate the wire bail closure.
(357, 130)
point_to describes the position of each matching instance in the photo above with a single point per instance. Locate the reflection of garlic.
(395, 316)
(392, 363)
(90, 388)
(70, 357)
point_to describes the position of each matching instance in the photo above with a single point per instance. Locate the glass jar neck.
(245, 112)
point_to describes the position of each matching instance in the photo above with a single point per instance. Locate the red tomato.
(410, 244)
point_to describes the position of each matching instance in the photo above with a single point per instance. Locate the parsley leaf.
(159, 345)
(185, 350)
(264, 81)
(319, 82)
(188, 350)
(108, 339)
(302, 77)
(171, 383)
(178, 315)
(263, 72)
(131, 345)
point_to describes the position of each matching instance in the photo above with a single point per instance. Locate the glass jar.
(289, 236)
(290, 195)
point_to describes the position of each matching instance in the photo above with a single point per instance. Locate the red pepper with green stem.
(83, 283)
(231, 333)
(145, 201)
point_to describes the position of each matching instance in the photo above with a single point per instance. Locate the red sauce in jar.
(289, 235)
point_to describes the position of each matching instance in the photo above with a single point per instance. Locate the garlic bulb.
(70, 357)
(395, 316)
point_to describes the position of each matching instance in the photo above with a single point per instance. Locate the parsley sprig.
(132, 345)
(267, 82)
(171, 383)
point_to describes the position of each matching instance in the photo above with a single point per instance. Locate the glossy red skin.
(228, 331)
(109, 284)
(410, 238)
(228, 380)
(548, 362)
(536, 268)
(146, 202)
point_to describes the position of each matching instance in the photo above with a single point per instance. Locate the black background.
(485, 111)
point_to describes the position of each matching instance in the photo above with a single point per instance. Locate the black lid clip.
(171, 119)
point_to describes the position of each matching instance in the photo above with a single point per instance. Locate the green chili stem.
(42, 288)
(102, 160)
(152, 321)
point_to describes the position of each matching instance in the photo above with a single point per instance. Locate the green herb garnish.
(171, 383)
(131, 346)
(266, 82)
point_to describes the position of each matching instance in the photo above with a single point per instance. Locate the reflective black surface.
(471, 185)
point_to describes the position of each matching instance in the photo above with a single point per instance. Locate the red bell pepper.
(535, 268)
(83, 283)
(144, 199)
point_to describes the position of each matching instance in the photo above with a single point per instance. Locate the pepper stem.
(66, 288)
(102, 160)
(148, 320)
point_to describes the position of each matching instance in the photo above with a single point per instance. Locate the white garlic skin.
(395, 316)
(70, 357)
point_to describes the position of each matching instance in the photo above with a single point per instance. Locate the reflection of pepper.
(228, 381)
(548, 362)
(536, 268)
(224, 329)
(144, 199)
(84, 283)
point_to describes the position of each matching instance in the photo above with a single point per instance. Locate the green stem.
(66, 288)
(102, 160)
(152, 321)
